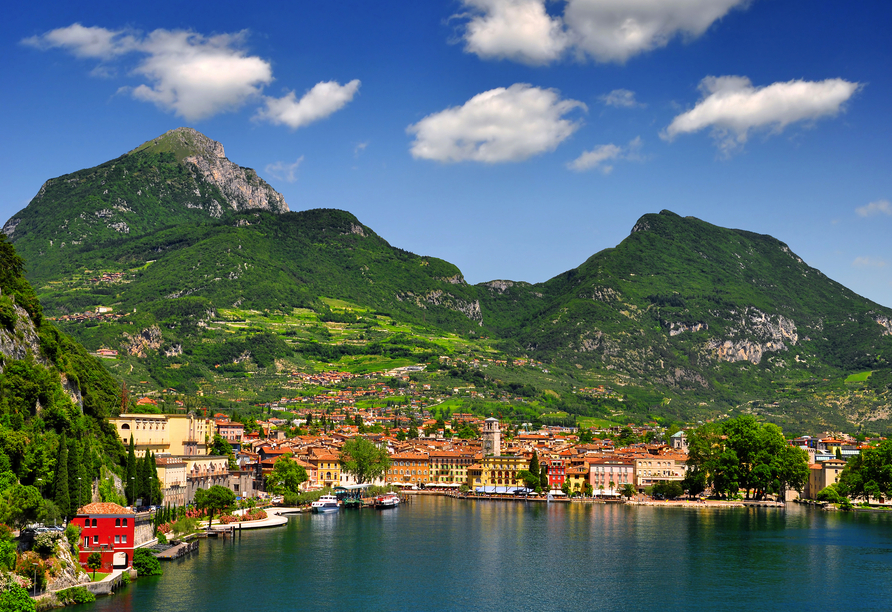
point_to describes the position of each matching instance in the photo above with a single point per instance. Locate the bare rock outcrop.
(139, 344)
(241, 186)
(21, 340)
(438, 297)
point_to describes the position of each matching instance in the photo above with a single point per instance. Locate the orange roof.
(104, 508)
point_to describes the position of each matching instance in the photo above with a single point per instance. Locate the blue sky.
(514, 138)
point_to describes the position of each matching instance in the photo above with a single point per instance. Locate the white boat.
(326, 503)
(388, 500)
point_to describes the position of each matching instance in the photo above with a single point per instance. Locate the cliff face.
(241, 187)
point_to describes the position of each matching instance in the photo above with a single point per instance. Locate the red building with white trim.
(109, 529)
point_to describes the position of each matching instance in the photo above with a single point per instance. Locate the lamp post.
(133, 491)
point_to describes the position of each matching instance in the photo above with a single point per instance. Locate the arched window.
(125, 426)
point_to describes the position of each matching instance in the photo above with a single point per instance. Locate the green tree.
(628, 490)
(534, 469)
(20, 505)
(585, 435)
(543, 478)
(14, 598)
(216, 498)
(220, 446)
(61, 495)
(94, 562)
(130, 473)
(286, 477)
(364, 460)
(146, 563)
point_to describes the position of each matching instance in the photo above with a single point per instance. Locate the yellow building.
(174, 434)
(577, 478)
(328, 468)
(497, 471)
(449, 467)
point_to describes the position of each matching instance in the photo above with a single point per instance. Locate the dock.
(178, 550)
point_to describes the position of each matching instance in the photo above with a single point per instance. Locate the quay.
(178, 550)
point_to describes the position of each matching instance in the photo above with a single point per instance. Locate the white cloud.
(596, 158)
(320, 102)
(732, 106)
(283, 171)
(87, 42)
(621, 98)
(607, 30)
(193, 75)
(875, 208)
(869, 262)
(499, 125)
(615, 30)
(198, 76)
(359, 148)
(519, 30)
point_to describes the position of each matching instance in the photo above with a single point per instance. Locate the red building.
(108, 529)
(557, 473)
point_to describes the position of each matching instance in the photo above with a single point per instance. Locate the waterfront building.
(173, 434)
(821, 475)
(608, 475)
(205, 471)
(172, 476)
(651, 469)
(108, 529)
(328, 467)
(449, 467)
(495, 471)
(409, 468)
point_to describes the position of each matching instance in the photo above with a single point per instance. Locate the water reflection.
(444, 554)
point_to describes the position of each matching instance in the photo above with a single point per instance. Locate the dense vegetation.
(54, 403)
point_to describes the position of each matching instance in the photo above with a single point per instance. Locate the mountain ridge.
(680, 307)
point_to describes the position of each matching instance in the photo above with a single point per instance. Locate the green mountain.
(181, 177)
(682, 320)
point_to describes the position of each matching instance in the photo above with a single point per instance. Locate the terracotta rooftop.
(104, 508)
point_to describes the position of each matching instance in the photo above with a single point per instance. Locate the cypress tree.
(75, 472)
(144, 486)
(61, 495)
(130, 473)
(534, 464)
(87, 476)
(157, 494)
(543, 478)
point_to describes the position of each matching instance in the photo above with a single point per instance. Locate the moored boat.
(388, 500)
(325, 504)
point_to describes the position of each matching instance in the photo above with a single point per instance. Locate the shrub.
(73, 535)
(75, 595)
(162, 539)
(186, 525)
(14, 597)
(146, 563)
(45, 543)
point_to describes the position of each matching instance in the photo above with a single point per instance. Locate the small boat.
(388, 500)
(326, 503)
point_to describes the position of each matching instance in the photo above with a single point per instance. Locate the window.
(117, 539)
(124, 539)
(87, 542)
(123, 522)
(95, 539)
(117, 522)
(94, 522)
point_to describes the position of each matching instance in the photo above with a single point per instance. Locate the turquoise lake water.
(442, 554)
